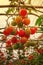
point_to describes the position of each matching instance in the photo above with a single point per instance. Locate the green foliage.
(40, 59)
(39, 20)
(41, 28)
(10, 10)
(29, 43)
(34, 61)
(18, 46)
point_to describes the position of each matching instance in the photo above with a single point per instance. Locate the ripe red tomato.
(21, 33)
(30, 57)
(40, 50)
(23, 12)
(8, 43)
(33, 30)
(14, 40)
(8, 30)
(17, 32)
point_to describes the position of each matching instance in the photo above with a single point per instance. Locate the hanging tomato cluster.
(22, 33)
(21, 20)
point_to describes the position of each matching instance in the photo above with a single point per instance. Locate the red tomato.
(23, 12)
(21, 33)
(14, 39)
(8, 30)
(8, 43)
(30, 57)
(33, 30)
(40, 50)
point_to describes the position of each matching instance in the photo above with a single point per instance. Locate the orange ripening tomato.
(26, 21)
(18, 19)
(23, 40)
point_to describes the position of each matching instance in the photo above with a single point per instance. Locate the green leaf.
(10, 10)
(21, 46)
(16, 46)
(39, 20)
(41, 28)
(40, 59)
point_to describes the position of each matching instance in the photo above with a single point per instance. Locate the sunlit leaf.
(10, 10)
(39, 20)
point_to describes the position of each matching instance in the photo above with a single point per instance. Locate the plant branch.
(18, 14)
(26, 6)
(36, 10)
